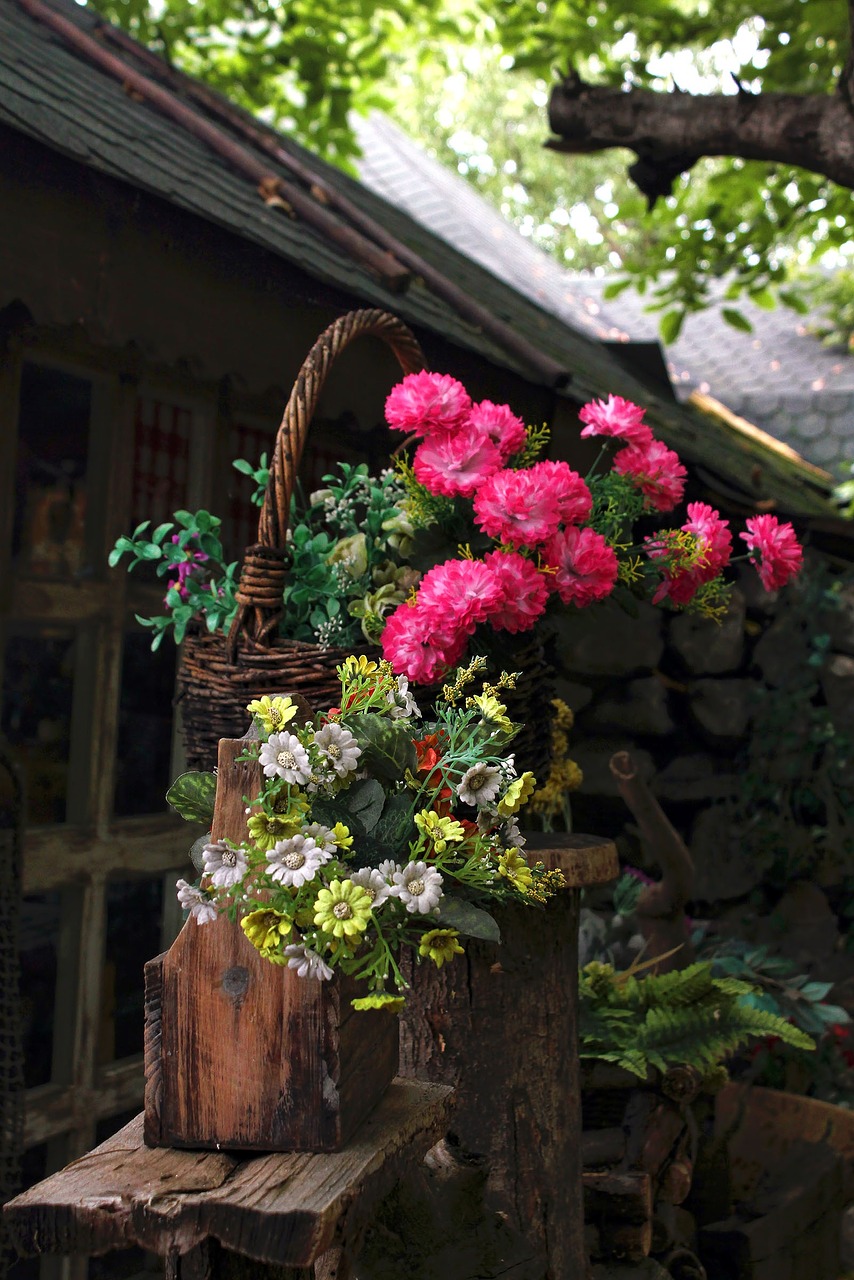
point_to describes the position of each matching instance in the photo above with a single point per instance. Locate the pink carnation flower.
(616, 417)
(656, 471)
(585, 566)
(416, 648)
(713, 547)
(774, 550)
(501, 424)
(573, 498)
(455, 596)
(708, 527)
(456, 465)
(427, 403)
(523, 591)
(516, 507)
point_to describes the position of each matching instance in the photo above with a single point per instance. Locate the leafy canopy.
(305, 66)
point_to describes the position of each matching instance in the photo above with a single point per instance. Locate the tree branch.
(669, 132)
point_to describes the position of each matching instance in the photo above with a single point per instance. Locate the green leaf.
(394, 829)
(670, 326)
(615, 288)
(196, 850)
(365, 801)
(474, 922)
(192, 796)
(387, 750)
(736, 319)
(764, 298)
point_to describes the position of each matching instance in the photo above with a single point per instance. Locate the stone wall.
(680, 693)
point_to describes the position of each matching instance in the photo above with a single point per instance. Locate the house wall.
(141, 350)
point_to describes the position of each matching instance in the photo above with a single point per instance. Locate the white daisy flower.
(419, 887)
(295, 861)
(225, 866)
(340, 748)
(197, 903)
(479, 785)
(284, 756)
(375, 885)
(402, 702)
(322, 837)
(511, 836)
(307, 963)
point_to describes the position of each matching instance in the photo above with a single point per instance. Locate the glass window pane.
(40, 917)
(49, 531)
(134, 909)
(37, 697)
(161, 460)
(145, 726)
(240, 521)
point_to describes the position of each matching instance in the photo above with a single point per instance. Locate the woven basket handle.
(262, 578)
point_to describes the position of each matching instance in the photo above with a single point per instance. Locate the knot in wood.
(235, 982)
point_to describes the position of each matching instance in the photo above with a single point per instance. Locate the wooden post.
(501, 1027)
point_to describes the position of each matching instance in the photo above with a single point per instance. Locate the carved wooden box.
(244, 1055)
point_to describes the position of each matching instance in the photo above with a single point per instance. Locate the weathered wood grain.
(501, 1027)
(244, 1055)
(281, 1209)
(584, 860)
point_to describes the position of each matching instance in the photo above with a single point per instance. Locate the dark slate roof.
(55, 87)
(779, 377)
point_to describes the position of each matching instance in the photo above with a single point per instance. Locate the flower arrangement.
(346, 546)
(373, 832)
(534, 531)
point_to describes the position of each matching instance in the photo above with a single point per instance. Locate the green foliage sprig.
(687, 1017)
(346, 549)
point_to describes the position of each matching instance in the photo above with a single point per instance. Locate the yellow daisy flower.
(360, 666)
(440, 945)
(341, 835)
(379, 1000)
(344, 909)
(493, 711)
(442, 831)
(273, 713)
(265, 829)
(514, 867)
(266, 930)
(517, 793)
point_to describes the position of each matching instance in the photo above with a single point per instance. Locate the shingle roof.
(779, 377)
(94, 97)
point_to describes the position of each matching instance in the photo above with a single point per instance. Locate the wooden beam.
(57, 856)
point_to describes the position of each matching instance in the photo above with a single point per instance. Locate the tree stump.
(500, 1025)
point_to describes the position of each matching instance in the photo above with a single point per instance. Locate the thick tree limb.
(670, 131)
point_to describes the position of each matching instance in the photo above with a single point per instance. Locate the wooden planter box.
(244, 1055)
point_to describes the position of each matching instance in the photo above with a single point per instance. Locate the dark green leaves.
(474, 922)
(192, 796)
(387, 750)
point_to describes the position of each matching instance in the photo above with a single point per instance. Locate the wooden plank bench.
(208, 1212)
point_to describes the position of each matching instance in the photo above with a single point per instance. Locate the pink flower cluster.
(538, 515)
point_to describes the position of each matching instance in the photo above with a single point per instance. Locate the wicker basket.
(220, 674)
